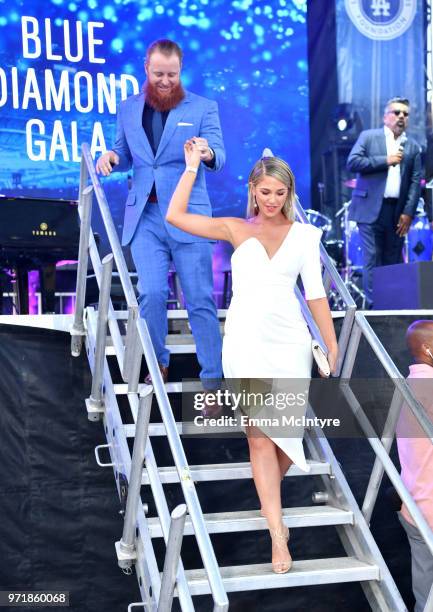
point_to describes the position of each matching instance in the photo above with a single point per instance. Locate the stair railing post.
(344, 337)
(131, 332)
(378, 469)
(95, 403)
(125, 548)
(84, 177)
(351, 352)
(78, 330)
(172, 557)
(135, 351)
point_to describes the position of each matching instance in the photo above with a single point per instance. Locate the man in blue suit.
(387, 190)
(152, 128)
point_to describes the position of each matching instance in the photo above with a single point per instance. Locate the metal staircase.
(338, 507)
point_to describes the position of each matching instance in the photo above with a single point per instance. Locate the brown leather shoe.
(164, 374)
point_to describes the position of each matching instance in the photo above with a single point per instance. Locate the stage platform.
(59, 511)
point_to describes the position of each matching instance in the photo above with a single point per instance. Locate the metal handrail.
(394, 373)
(186, 481)
(383, 463)
(349, 316)
(110, 228)
(141, 333)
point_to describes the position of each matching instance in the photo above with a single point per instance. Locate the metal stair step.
(177, 348)
(158, 429)
(251, 520)
(229, 471)
(302, 573)
(170, 387)
(176, 314)
(185, 428)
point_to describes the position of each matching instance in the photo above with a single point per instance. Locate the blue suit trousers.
(152, 248)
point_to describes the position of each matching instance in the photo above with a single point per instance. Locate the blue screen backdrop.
(65, 65)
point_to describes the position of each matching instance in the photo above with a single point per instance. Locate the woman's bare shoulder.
(237, 224)
(240, 230)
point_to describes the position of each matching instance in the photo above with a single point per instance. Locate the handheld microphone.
(403, 141)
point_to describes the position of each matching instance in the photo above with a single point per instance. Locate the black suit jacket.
(368, 159)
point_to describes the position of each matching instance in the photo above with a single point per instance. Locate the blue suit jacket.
(194, 116)
(368, 159)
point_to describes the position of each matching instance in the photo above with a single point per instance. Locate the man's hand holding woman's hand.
(192, 153)
(206, 153)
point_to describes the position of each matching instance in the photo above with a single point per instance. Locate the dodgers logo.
(381, 19)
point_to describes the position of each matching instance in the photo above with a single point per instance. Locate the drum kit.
(346, 252)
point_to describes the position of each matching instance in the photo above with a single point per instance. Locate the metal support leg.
(78, 330)
(172, 557)
(136, 353)
(125, 548)
(95, 403)
(130, 334)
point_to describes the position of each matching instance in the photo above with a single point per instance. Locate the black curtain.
(59, 511)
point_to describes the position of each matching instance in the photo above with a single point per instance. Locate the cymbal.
(351, 183)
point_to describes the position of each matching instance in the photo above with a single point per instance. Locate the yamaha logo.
(381, 19)
(44, 231)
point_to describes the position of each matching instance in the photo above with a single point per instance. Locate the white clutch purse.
(320, 358)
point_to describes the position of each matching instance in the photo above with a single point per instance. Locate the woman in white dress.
(266, 336)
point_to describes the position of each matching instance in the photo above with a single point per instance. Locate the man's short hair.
(396, 100)
(166, 47)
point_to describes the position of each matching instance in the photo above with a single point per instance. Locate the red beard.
(163, 103)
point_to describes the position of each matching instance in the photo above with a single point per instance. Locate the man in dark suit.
(387, 190)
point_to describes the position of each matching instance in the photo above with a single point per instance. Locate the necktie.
(157, 128)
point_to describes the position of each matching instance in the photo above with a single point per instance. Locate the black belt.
(390, 201)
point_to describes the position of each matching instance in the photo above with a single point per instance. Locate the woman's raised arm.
(200, 225)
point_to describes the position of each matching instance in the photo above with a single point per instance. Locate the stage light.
(345, 123)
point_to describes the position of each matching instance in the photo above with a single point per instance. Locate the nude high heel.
(280, 537)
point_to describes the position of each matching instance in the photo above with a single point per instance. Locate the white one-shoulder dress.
(266, 336)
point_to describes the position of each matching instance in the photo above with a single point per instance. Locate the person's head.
(271, 189)
(396, 115)
(419, 339)
(163, 65)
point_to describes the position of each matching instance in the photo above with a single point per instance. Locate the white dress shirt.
(393, 180)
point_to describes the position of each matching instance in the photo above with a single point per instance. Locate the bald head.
(419, 338)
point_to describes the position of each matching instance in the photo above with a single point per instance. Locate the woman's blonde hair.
(280, 170)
